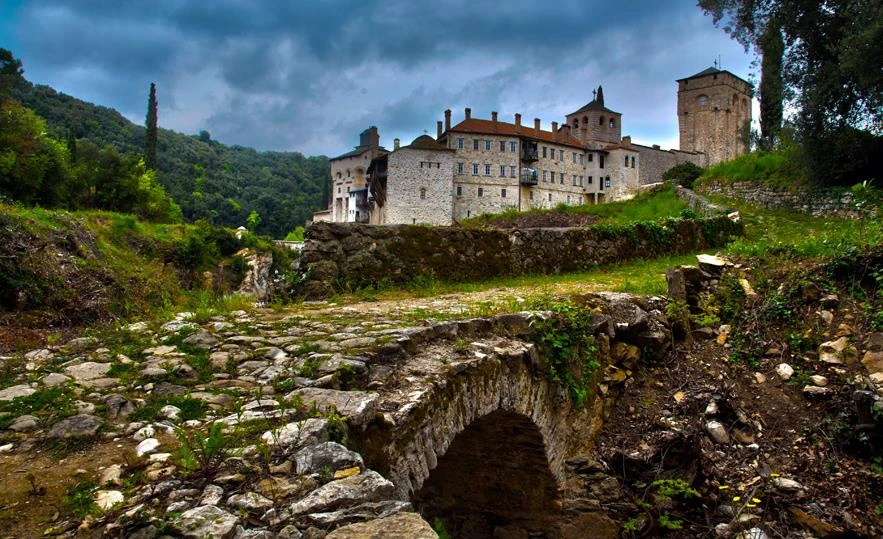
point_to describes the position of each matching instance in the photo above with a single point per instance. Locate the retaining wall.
(347, 256)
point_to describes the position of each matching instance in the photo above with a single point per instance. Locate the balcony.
(529, 151)
(528, 176)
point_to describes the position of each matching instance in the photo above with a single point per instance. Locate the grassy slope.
(60, 269)
(648, 206)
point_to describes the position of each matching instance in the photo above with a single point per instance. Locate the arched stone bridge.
(465, 420)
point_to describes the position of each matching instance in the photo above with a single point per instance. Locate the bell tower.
(714, 114)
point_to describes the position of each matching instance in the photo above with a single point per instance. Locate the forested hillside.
(209, 180)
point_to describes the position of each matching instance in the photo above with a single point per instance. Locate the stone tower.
(594, 122)
(714, 114)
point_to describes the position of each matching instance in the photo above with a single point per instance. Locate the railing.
(528, 176)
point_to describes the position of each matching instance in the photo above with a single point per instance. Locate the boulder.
(294, 436)
(21, 390)
(206, 521)
(78, 426)
(367, 487)
(249, 501)
(89, 370)
(25, 423)
(357, 406)
(329, 456)
(118, 407)
(399, 526)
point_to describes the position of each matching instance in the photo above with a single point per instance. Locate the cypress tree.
(72, 146)
(150, 141)
(771, 88)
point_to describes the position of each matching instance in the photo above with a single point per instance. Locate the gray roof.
(714, 71)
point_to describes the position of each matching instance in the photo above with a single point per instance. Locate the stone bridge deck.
(451, 419)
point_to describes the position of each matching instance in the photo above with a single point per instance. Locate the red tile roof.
(489, 127)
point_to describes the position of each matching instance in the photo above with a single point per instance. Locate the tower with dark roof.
(714, 114)
(593, 122)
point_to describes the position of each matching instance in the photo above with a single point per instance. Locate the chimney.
(395, 144)
(517, 120)
(494, 116)
(438, 130)
(536, 124)
(627, 140)
(555, 130)
(468, 113)
(447, 119)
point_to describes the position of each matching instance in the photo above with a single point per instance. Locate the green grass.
(649, 206)
(774, 169)
(772, 232)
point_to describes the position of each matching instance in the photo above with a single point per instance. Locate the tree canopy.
(831, 70)
(209, 180)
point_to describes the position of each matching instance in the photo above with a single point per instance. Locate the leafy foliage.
(831, 76)
(683, 174)
(567, 343)
(211, 181)
(201, 453)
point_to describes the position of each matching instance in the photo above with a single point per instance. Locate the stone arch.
(509, 397)
(493, 478)
(409, 450)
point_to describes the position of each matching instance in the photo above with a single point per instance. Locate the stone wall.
(655, 161)
(342, 256)
(817, 202)
(419, 187)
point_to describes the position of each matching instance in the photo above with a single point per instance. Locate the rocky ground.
(112, 434)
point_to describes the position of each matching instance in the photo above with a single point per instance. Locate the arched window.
(576, 123)
(703, 101)
(422, 193)
(586, 121)
(735, 100)
(601, 120)
(612, 123)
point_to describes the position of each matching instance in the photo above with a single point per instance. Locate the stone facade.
(493, 166)
(714, 114)
(349, 182)
(419, 186)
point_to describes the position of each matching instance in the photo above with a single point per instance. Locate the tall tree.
(10, 71)
(150, 140)
(832, 76)
(772, 48)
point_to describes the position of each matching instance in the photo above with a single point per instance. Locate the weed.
(439, 528)
(48, 405)
(675, 488)
(566, 341)
(667, 523)
(200, 453)
(79, 499)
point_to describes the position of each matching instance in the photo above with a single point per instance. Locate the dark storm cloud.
(311, 75)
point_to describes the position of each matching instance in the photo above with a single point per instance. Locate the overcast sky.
(310, 75)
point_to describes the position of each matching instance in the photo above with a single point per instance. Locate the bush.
(683, 174)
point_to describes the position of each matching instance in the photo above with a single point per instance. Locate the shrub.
(683, 174)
